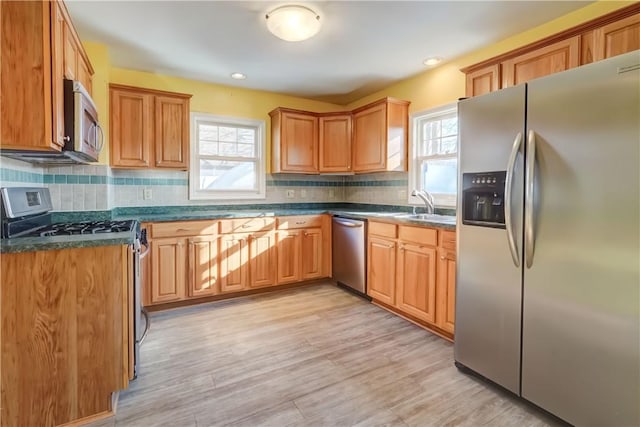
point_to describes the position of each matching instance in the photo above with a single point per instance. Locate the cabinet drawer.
(242, 225)
(182, 228)
(421, 235)
(383, 229)
(448, 239)
(300, 221)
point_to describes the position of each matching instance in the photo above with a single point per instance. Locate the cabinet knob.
(66, 138)
(390, 246)
(443, 257)
(301, 222)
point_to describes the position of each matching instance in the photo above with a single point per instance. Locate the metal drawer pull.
(301, 222)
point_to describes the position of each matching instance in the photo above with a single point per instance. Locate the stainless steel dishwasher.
(350, 254)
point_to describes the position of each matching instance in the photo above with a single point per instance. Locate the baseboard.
(431, 328)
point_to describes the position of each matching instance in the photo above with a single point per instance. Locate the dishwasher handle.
(347, 223)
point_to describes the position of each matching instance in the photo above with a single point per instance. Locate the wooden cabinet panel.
(84, 75)
(70, 52)
(554, 58)
(172, 132)
(300, 221)
(312, 254)
(131, 131)
(184, 228)
(446, 290)
(245, 225)
(421, 235)
(416, 281)
(383, 229)
(289, 256)
(294, 141)
(262, 260)
(57, 74)
(380, 132)
(335, 143)
(169, 270)
(483, 81)
(381, 270)
(203, 266)
(149, 128)
(234, 262)
(617, 38)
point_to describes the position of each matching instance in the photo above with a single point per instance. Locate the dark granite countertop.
(385, 213)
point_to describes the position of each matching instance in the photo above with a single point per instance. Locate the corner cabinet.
(335, 143)
(612, 34)
(380, 136)
(148, 128)
(39, 49)
(294, 138)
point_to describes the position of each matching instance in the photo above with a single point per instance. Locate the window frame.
(195, 193)
(417, 120)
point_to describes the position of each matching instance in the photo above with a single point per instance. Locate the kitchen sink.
(429, 217)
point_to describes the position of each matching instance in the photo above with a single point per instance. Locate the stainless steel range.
(26, 212)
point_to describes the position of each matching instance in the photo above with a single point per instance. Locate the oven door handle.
(147, 325)
(508, 191)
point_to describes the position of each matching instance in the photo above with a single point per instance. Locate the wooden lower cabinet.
(203, 266)
(311, 254)
(446, 290)
(262, 259)
(168, 275)
(416, 281)
(382, 269)
(234, 262)
(289, 256)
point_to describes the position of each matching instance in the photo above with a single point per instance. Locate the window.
(226, 158)
(434, 166)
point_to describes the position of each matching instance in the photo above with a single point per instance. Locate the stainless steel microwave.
(83, 135)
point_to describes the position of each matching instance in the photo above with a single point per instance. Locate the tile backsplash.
(98, 187)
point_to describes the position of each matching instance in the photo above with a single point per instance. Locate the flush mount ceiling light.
(432, 61)
(293, 23)
(238, 76)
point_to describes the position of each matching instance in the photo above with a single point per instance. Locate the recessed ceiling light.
(432, 61)
(238, 76)
(293, 23)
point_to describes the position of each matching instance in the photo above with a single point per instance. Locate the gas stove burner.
(74, 228)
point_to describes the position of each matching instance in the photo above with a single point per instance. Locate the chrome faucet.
(427, 198)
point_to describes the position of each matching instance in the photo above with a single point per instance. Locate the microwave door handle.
(101, 143)
(508, 190)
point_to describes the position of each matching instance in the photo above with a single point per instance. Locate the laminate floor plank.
(313, 356)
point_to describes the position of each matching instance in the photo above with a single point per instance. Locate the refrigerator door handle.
(513, 246)
(530, 176)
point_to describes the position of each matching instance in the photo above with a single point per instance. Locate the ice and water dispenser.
(483, 199)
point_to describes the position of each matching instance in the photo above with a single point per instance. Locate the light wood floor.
(312, 356)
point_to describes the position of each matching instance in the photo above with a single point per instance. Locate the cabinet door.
(203, 266)
(381, 280)
(617, 38)
(262, 260)
(335, 143)
(416, 281)
(554, 58)
(84, 75)
(483, 81)
(311, 253)
(70, 51)
(370, 139)
(299, 143)
(446, 291)
(169, 272)
(234, 262)
(57, 73)
(131, 128)
(289, 256)
(172, 132)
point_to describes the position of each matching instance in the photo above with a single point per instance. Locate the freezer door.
(581, 323)
(489, 283)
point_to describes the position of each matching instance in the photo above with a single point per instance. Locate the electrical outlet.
(303, 194)
(402, 194)
(291, 194)
(147, 194)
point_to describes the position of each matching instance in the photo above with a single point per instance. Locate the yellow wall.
(446, 83)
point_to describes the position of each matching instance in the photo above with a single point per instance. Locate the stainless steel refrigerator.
(548, 273)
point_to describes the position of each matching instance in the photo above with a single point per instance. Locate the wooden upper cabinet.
(32, 71)
(294, 141)
(172, 132)
(131, 131)
(617, 38)
(70, 54)
(335, 143)
(380, 136)
(148, 128)
(554, 58)
(483, 81)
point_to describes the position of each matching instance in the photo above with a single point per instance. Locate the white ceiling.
(362, 46)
